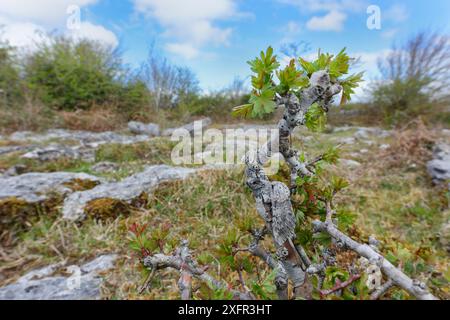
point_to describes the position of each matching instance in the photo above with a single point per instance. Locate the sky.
(215, 38)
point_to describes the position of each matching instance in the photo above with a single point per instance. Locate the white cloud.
(183, 49)
(333, 21)
(369, 60)
(94, 32)
(307, 6)
(191, 22)
(396, 13)
(26, 22)
(290, 32)
(45, 12)
(390, 33)
(368, 64)
(336, 12)
(21, 34)
(292, 28)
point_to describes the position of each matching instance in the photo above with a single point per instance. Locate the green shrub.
(10, 84)
(415, 78)
(68, 75)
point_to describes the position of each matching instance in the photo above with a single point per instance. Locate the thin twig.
(340, 285)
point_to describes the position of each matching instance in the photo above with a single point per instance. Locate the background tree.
(10, 82)
(66, 74)
(169, 85)
(415, 77)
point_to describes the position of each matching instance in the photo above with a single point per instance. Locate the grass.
(214, 211)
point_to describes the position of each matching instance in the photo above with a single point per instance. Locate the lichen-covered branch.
(183, 262)
(273, 198)
(321, 91)
(415, 288)
(377, 294)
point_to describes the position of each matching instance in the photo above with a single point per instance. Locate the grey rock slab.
(439, 167)
(36, 187)
(345, 140)
(364, 132)
(150, 129)
(125, 190)
(105, 167)
(11, 149)
(54, 152)
(84, 283)
(190, 127)
(83, 137)
(14, 171)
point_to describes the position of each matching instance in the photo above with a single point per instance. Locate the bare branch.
(413, 287)
(188, 267)
(382, 290)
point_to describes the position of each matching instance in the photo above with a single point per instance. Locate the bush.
(415, 78)
(69, 75)
(10, 84)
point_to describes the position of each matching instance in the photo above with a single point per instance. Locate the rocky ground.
(68, 198)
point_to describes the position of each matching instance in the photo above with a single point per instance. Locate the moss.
(81, 184)
(17, 216)
(33, 165)
(105, 209)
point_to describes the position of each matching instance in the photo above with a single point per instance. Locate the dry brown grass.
(29, 117)
(97, 119)
(411, 145)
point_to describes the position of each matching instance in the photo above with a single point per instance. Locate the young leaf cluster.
(292, 79)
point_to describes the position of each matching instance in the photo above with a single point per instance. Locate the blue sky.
(215, 38)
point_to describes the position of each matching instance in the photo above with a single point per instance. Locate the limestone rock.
(105, 167)
(92, 139)
(346, 140)
(54, 152)
(150, 129)
(204, 123)
(37, 187)
(11, 149)
(83, 284)
(439, 167)
(364, 133)
(125, 190)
